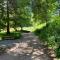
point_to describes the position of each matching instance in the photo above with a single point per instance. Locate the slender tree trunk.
(8, 28)
(15, 28)
(21, 27)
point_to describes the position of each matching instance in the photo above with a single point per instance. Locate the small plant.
(57, 52)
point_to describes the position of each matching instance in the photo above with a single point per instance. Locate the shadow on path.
(27, 48)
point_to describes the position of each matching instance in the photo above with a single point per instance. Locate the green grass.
(15, 35)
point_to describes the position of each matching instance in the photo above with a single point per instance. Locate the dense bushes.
(50, 34)
(57, 52)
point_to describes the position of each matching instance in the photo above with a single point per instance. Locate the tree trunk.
(21, 27)
(8, 28)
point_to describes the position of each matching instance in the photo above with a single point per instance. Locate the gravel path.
(27, 48)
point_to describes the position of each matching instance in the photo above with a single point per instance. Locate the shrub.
(15, 35)
(57, 52)
(50, 34)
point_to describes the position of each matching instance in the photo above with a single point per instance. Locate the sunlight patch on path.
(27, 48)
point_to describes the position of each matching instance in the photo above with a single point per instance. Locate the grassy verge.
(15, 35)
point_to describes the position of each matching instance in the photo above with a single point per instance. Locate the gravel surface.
(26, 48)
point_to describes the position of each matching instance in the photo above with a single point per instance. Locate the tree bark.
(21, 27)
(8, 28)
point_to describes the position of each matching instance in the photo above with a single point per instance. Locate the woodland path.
(27, 48)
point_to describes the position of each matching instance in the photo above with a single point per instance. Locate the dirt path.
(27, 48)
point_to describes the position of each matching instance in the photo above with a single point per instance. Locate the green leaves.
(44, 8)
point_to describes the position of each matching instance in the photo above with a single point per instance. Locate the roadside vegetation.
(39, 16)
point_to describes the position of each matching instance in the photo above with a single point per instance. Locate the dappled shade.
(27, 48)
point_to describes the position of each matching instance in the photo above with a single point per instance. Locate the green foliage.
(50, 34)
(43, 9)
(51, 42)
(25, 13)
(58, 52)
(15, 35)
